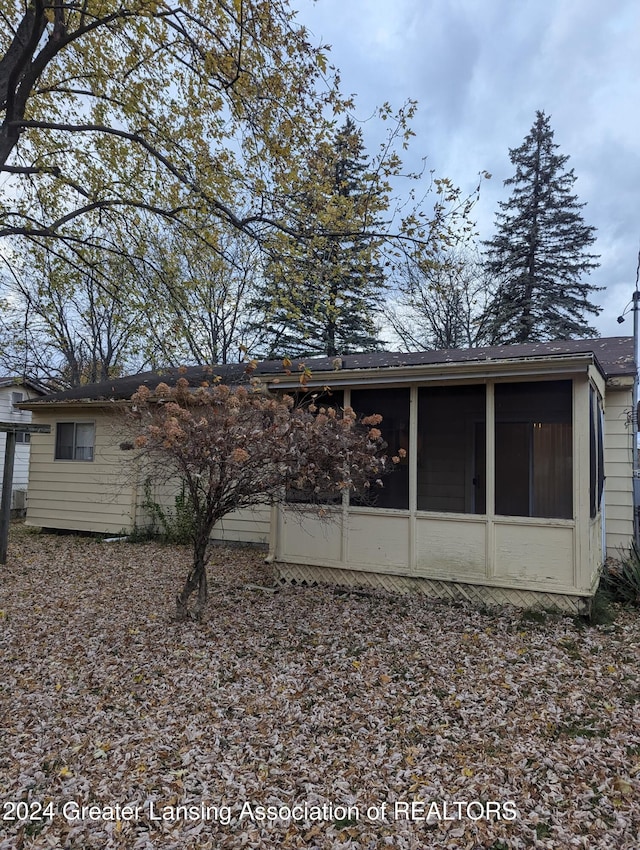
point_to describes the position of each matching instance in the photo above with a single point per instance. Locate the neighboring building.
(502, 496)
(13, 391)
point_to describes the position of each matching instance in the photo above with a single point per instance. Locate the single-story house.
(13, 391)
(517, 481)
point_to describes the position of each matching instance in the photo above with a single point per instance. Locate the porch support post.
(413, 479)
(582, 556)
(345, 517)
(634, 420)
(490, 492)
(7, 486)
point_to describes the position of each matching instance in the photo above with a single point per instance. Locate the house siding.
(79, 495)
(104, 495)
(618, 460)
(248, 525)
(22, 451)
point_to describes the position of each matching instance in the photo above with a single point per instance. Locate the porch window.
(596, 453)
(393, 406)
(335, 399)
(74, 440)
(534, 449)
(452, 449)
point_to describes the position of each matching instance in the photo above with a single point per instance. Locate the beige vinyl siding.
(248, 525)
(618, 460)
(21, 457)
(80, 495)
(104, 495)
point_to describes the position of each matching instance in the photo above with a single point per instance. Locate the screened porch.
(501, 485)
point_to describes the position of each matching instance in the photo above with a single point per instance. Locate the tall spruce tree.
(321, 293)
(539, 254)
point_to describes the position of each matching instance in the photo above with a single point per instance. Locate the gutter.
(570, 364)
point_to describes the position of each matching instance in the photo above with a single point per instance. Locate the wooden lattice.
(454, 591)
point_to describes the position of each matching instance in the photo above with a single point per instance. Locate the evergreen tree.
(321, 293)
(539, 254)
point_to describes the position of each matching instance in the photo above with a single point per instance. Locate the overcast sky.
(480, 69)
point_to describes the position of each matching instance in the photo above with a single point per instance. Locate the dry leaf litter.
(397, 721)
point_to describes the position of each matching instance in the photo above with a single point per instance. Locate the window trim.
(75, 446)
(423, 449)
(17, 397)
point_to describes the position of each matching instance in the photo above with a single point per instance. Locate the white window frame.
(16, 397)
(75, 447)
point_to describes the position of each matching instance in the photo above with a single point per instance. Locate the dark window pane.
(452, 449)
(75, 440)
(593, 455)
(393, 406)
(318, 399)
(64, 440)
(600, 441)
(513, 455)
(596, 454)
(534, 449)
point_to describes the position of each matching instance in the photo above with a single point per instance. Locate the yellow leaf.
(466, 771)
(64, 772)
(622, 786)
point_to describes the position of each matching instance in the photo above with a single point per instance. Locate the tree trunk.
(196, 580)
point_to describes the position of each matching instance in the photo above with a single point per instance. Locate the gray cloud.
(481, 70)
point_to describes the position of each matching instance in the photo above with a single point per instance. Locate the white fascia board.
(531, 367)
(42, 406)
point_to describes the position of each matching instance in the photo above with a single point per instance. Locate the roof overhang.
(24, 382)
(620, 382)
(40, 405)
(530, 368)
(558, 366)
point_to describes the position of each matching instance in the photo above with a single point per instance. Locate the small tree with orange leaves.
(234, 447)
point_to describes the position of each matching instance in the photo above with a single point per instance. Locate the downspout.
(634, 419)
(635, 463)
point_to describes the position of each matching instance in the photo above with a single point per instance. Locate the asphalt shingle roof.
(615, 356)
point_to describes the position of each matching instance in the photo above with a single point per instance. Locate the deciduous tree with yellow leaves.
(144, 106)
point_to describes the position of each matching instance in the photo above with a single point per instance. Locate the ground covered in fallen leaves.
(302, 717)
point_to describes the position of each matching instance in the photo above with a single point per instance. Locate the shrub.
(621, 579)
(177, 526)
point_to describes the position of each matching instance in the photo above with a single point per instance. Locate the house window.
(75, 440)
(534, 449)
(452, 449)
(393, 406)
(16, 398)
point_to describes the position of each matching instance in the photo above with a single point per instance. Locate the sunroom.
(499, 497)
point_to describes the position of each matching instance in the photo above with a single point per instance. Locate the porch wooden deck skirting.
(453, 591)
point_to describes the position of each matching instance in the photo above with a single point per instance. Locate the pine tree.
(321, 293)
(539, 254)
